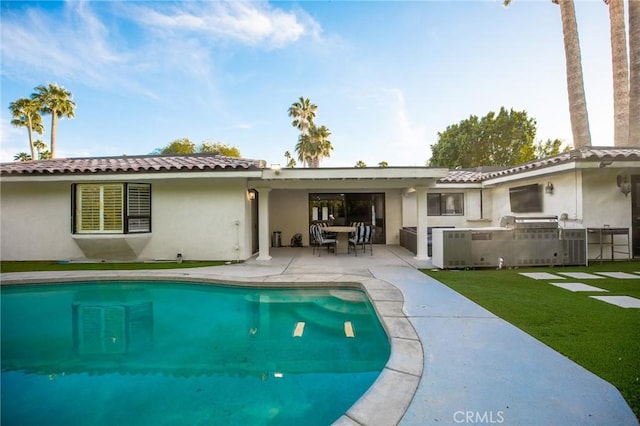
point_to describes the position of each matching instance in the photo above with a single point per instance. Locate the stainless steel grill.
(520, 241)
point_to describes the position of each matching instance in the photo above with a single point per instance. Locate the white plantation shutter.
(99, 208)
(88, 208)
(112, 208)
(139, 207)
(107, 208)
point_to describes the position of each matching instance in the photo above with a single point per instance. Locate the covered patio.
(283, 201)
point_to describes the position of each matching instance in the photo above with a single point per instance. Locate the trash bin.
(276, 239)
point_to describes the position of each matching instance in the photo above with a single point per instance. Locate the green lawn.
(601, 337)
(59, 266)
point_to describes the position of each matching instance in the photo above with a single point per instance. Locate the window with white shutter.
(138, 207)
(114, 208)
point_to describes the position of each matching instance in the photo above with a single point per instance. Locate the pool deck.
(452, 361)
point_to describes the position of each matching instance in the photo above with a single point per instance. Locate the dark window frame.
(437, 204)
(127, 218)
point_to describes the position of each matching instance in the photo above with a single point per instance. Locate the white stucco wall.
(195, 217)
(565, 198)
(289, 214)
(600, 190)
(36, 222)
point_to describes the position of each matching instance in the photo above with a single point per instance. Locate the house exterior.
(208, 207)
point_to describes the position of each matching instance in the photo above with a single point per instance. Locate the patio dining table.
(342, 237)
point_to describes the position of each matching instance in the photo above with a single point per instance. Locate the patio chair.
(363, 236)
(320, 240)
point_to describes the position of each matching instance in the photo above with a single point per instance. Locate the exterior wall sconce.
(251, 194)
(624, 184)
(276, 168)
(549, 188)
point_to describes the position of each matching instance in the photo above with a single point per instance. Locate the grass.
(601, 337)
(61, 266)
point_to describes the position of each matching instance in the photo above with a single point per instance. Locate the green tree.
(303, 113)
(383, 164)
(41, 149)
(313, 143)
(360, 164)
(321, 144)
(219, 148)
(177, 147)
(549, 148)
(22, 156)
(54, 100)
(291, 162)
(502, 139)
(184, 146)
(25, 113)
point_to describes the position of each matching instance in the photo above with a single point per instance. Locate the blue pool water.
(135, 353)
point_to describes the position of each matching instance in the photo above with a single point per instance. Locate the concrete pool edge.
(385, 402)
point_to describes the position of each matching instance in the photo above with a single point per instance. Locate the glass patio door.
(346, 208)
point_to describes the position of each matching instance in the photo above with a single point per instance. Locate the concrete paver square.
(582, 275)
(541, 276)
(620, 275)
(622, 301)
(577, 287)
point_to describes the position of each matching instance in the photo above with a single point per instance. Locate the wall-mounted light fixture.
(624, 184)
(549, 188)
(251, 194)
(276, 168)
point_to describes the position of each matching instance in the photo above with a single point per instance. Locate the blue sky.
(387, 76)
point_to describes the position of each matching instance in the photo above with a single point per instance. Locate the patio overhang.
(345, 178)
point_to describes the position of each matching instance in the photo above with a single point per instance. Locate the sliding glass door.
(346, 208)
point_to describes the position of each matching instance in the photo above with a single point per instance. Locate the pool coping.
(385, 402)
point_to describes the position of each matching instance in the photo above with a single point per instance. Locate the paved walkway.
(472, 367)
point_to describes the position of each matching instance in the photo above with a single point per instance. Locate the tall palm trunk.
(620, 73)
(34, 154)
(575, 80)
(54, 127)
(634, 78)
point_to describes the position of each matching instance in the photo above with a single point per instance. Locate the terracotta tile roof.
(462, 176)
(130, 164)
(586, 154)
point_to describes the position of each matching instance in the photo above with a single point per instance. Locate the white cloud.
(14, 139)
(247, 23)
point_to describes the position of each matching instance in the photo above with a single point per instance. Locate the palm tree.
(634, 75)
(303, 113)
(22, 156)
(291, 162)
(25, 114)
(321, 144)
(575, 81)
(305, 149)
(41, 149)
(620, 72)
(54, 100)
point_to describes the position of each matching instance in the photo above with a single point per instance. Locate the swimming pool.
(177, 353)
